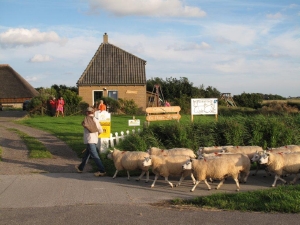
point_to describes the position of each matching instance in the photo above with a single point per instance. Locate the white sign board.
(134, 122)
(103, 116)
(204, 106)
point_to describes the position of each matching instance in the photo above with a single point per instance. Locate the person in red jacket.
(53, 106)
(60, 107)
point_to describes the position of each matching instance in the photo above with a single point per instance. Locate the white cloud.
(274, 16)
(293, 6)
(189, 46)
(159, 8)
(242, 35)
(30, 79)
(23, 37)
(40, 58)
(286, 44)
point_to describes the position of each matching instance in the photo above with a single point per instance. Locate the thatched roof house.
(115, 73)
(13, 87)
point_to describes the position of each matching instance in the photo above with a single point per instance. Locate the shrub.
(129, 107)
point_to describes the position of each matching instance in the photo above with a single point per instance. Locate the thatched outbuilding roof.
(13, 87)
(113, 66)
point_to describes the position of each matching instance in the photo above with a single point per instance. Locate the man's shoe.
(78, 170)
(99, 174)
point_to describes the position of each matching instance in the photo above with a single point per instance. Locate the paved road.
(73, 198)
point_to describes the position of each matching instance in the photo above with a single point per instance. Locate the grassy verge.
(36, 148)
(284, 199)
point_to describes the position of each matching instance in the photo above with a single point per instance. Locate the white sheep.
(168, 165)
(225, 165)
(255, 159)
(281, 164)
(247, 150)
(172, 151)
(291, 148)
(211, 149)
(129, 161)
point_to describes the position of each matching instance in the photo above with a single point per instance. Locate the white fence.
(105, 143)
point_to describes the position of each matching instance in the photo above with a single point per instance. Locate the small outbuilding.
(14, 89)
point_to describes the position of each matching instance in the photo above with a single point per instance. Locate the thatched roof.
(13, 86)
(113, 66)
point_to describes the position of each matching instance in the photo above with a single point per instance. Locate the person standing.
(60, 107)
(102, 106)
(167, 104)
(53, 106)
(91, 140)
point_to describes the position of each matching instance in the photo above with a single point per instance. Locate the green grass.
(69, 128)
(284, 199)
(36, 148)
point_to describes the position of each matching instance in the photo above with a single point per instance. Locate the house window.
(113, 94)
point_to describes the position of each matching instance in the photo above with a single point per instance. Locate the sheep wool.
(281, 164)
(168, 165)
(129, 161)
(247, 150)
(172, 151)
(225, 165)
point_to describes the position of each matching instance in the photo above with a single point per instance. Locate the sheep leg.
(166, 179)
(180, 180)
(147, 176)
(220, 184)
(244, 176)
(207, 184)
(155, 178)
(115, 174)
(142, 174)
(294, 180)
(193, 178)
(128, 175)
(276, 178)
(237, 184)
(197, 182)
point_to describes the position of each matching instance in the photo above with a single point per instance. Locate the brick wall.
(137, 93)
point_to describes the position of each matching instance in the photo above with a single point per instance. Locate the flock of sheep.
(210, 163)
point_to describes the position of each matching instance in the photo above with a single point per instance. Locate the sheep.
(211, 149)
(129, 160)
(172, 151)
(225, 165)
(291, 148)
(281, 164)
(255, 159)
(247, 150)
(168, 165)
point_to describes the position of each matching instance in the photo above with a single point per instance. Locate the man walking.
(92, 128)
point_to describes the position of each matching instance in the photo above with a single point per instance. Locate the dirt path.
(15, 153)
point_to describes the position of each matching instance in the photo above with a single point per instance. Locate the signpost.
(163, 113)
(204, 106)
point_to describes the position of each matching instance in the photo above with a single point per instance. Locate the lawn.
(69, 128)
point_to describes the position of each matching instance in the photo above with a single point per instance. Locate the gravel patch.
(15, 153)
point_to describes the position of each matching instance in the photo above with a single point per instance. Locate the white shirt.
(92, 138)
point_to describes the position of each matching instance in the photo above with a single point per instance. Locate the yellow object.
(106, 130)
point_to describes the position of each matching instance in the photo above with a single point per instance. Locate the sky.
(250, 46)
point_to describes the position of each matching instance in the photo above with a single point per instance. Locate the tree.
(251, 100)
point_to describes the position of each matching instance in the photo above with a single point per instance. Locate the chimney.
(105, 38)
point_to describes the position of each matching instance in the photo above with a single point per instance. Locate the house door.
(97, 96)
